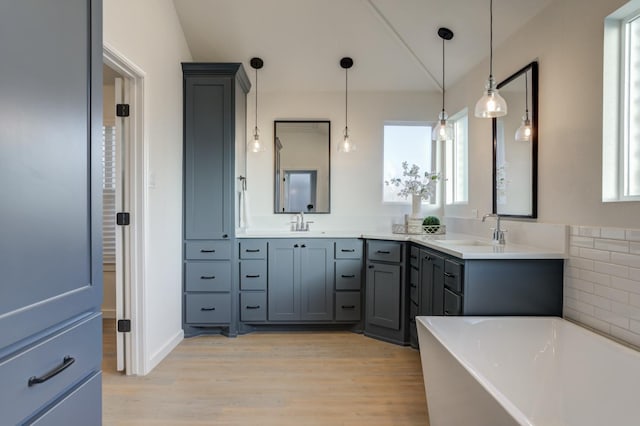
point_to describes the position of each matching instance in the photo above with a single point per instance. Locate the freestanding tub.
(542, 371)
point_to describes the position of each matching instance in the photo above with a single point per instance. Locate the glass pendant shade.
(256, 145)
(443, 131)
(523, 134)
(346, 145)
(491, 104)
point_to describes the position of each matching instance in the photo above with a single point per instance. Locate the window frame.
(452, 176)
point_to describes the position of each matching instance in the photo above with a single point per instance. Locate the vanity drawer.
(83, 405)
(253, 249)
(348, 249)
(74, 352)
(414, 256)
(210, 308)
(253, 275)
(253, 306)
(348, 274)
(208, 250)
(208, 276)
(453, 275)
(385, 251)
(452, 303)
(348, 306)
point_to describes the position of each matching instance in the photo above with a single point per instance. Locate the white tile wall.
(602, 281)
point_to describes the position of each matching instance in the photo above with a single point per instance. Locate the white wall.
(602, 275)
(148, 34)
(356, 178)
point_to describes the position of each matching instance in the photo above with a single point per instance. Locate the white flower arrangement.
(413, 183)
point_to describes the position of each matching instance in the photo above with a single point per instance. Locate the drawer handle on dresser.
(207, 251)
(383, 252)
(414, 286)
(253, 276)
(447, 274)
(348, 306)
(66, 363)
(252, 250)
(348, 250)
(208, 309)
(348, 276)
(253, 307)
(427, 257)
(207, 277)
(225, 236)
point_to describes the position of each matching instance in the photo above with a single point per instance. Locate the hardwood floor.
(294, 378)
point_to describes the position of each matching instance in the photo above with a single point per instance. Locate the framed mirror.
(302, 166)
(515, 147)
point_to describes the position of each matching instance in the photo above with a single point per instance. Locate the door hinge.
(124, 326)
(122, 110)
(123, 218)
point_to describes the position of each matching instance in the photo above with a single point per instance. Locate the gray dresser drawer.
(78, 347)
(253, 306)
(386, 251)
(208, 276)
(348, 274)
(348, 249)
(414, 256)
(253, 275)
(253, 249)
(208, 250)
(83, 405)
(348, 306)
(452, 303)
(210, 308)
(453, 275)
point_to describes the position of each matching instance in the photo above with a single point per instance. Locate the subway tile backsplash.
(602, 281)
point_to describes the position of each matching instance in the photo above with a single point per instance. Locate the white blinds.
(108, 194)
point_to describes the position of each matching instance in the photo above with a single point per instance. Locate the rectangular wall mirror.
(302, 166)
(515, 153)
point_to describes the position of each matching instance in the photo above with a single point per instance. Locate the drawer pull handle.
(207, 251)
(414, 303)
(225, 236)
(66, 363)
(208, 309)
(447, 274)
(303, 246)
(383, 252)
(347, 250)
(253, 307)
(295, 246)
(427, 257)
(370, 266)
(252, 250)
(348, 276)
(348, 306)
(414, 286)
(253, 276)
(447, 312)
(207, 277)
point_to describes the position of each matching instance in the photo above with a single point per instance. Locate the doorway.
(123, 195)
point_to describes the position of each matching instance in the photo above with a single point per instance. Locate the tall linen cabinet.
(214, 123)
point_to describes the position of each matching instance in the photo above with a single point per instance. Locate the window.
(410, 142)
(108, 194)
(457, 160)
(621, 105)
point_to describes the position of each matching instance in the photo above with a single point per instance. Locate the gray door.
(284, 280)
(316, 280)
(383, 295)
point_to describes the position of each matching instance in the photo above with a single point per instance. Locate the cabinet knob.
(295, 246)
(370, 266)
(225, 236)
(427, 257)
(303, 246)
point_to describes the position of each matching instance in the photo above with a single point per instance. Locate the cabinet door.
(383, 295)
(208, 157)
(316, 280)
(283, 282)
(50, 164)
(431, 283)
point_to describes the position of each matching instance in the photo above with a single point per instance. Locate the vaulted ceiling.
(394, 43)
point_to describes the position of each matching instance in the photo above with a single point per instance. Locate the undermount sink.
(464, 242)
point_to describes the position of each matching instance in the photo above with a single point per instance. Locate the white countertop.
(462, 246)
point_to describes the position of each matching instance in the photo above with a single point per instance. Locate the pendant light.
(346, 145)
(443, 131)
(255, 145)
(523, 134)
(491, 104)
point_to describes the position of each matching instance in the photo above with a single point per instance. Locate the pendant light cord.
(526, 94)
(490, 38)
(256, 111)
(346, 98)
(443, 85)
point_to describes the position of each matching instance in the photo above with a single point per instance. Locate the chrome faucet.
(497, 237)
(299, 224)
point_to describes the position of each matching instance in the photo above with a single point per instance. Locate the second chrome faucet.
(497, 236)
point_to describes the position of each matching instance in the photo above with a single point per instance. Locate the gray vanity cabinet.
(385, 291)
(51, 210)
(300, 280)
(214, 107)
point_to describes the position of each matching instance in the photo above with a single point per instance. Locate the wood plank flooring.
(294, 378)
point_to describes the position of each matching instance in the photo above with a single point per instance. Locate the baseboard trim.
(164, 351)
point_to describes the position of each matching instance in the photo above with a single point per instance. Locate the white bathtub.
(526, 370)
